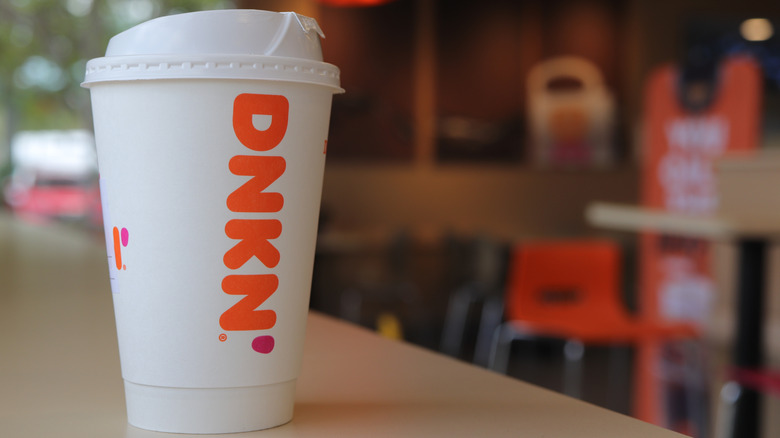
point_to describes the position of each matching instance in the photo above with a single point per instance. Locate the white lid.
(224, 44)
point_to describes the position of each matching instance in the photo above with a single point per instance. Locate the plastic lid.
(224, 44)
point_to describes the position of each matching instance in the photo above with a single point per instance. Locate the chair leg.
(618, 375)
(351, 305)
(729, 394)
(455, 322)
(501, 347)
(573, 351)
(490, 319)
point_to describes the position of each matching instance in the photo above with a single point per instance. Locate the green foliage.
(44, 46)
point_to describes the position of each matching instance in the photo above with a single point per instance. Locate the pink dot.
(263, 344)
(125, 236)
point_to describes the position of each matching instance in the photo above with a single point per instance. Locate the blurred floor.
(543, 365)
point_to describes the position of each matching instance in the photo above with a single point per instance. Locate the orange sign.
(680, 146)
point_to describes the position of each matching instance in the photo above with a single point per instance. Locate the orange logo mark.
(250, 196)
(246, 106)
(243, 316)
(121, 239)
(254, 235)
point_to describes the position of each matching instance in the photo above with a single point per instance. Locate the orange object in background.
(571, 289)
(686, 127)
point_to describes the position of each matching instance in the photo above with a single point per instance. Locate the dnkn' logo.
(254, 236)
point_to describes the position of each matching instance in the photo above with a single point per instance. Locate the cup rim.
(252, 67)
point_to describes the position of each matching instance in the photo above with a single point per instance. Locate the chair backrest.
(564, 281)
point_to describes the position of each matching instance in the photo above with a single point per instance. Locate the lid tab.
(309, 24)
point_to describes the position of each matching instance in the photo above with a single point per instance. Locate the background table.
(752, 236)
(60, 376)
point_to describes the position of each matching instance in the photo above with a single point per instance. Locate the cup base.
(209, 410)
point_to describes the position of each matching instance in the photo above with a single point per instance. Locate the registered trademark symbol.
(222, 337)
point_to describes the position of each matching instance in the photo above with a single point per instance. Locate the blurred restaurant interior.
(468, 131)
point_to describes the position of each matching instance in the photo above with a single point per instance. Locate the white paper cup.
(211, 130)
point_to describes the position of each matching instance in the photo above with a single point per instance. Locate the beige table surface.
(712, 227)
(60, 376)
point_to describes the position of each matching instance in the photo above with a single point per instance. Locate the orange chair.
(571, 290)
